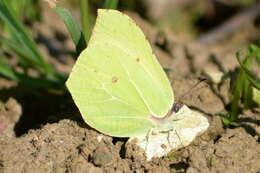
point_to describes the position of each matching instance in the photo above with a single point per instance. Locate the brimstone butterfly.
(117, 83)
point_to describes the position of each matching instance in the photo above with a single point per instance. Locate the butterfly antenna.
(196, 86)
(177, 105)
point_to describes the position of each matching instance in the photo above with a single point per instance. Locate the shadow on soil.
(40, 107)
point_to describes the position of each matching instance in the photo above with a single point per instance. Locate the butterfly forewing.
(117, 83)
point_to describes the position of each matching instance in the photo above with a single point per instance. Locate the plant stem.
(111, 4)
(236, 96)
(85, 20)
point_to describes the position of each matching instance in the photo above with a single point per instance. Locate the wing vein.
(115, 43)
(121, 100)
(136, 88)
(115, 97)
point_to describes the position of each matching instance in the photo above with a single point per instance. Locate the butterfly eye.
(177, 106)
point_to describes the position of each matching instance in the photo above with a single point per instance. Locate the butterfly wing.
(117, 83)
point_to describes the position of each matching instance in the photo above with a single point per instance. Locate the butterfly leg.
(178, 137)
(169, 137)
(147, 138)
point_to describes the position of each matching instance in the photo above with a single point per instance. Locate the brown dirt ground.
(46, 134)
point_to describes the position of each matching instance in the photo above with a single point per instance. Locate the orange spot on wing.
(114, 79)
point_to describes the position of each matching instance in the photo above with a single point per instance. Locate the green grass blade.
(15, 7)
(236, 96)
(255, 51)
(18, 49)
(73, 28)
(18, 31)
(227, 122)
(85, 19)
(246, 64)
(6, 70)
(110, 4)
(243, 87)
(252, 78)
(247, 94)
(247, 88)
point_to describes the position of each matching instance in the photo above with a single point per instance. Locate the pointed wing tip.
(67, 84)
(103, 11)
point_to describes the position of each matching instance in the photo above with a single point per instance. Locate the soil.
(42, 131)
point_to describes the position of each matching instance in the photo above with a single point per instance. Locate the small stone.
(102, 157)
(214, 74)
